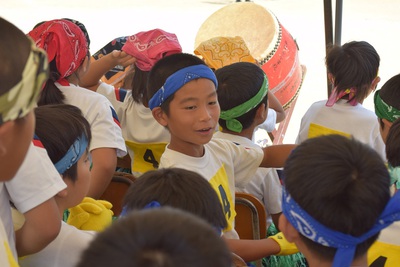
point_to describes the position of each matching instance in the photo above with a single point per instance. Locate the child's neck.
(189, 150)
(247, 133)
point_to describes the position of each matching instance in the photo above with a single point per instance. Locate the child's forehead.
(201, 87)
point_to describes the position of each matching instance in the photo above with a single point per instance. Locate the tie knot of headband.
(179, 79)
(384, 110)
(230, 115)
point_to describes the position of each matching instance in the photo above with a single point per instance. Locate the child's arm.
(99, 67)
(251, 250)
(276, 155)
(104, 165)
(42, 225)
(276, 105)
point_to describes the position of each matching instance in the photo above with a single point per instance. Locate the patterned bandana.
(150, 46)
(63, 41)
(179, 79)
(230, 115)
(383, 110)
(73, 154)
(22, 98)
(345, 244)
(222, 51)
(115, 44)
(335, 96)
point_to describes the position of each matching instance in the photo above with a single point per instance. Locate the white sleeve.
(36, 181)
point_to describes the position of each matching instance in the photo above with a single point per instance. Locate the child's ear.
(375, 82)
(387, 123)
(262, 113)
(160, 116)
(287, 229)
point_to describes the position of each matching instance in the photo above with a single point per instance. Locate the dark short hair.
(163, 237)
(354, 64)
(237, 83)
(342, 183)
(15, 48)
(164, 68)
(178, 188)
(58, 127)
(393, 144)
(390, 92)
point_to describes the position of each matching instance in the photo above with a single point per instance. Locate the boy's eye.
(212, 102)
(190, 107)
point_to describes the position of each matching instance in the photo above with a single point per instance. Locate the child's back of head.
(353, 65)
(335, 190)
(176, 188)
(163, 237)
(23, 70)
(242, 89)
(65, 134)
(387, 100)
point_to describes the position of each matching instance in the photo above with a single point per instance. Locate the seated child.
(350, 181)
(386, 250)
(65, 134)
(353, 72)
(69, 61)
(183, 98)
(21, 80)
(221, 51)
(144, 137)
(162, 237)
(243, 99)
(23, 71)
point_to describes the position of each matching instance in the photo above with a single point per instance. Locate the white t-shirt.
(36, 181)
(385, 252)
(139, 129)
(264, 185)
(7, 258)
(64, 251)
(104, 123)
(225, 165)
(342, 118)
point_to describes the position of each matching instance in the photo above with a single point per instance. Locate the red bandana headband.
(150, 46)
(63, 41)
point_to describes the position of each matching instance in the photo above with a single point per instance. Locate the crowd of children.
(187, 122)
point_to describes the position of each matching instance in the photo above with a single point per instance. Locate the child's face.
(78, 190)
(193, 115)
(15, 136)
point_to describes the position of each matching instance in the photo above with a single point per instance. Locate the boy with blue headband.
(336, 200)
(183, 98)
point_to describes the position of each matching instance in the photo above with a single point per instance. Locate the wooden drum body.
(268, 41)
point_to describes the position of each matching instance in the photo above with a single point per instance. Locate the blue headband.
(73, 154)
(345, 244)
(179, 79)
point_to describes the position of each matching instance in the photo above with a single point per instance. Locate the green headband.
(230, 115)
(22, 98)
(383, 110)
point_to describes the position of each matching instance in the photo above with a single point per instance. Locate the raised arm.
(98, 68)
(276, 105)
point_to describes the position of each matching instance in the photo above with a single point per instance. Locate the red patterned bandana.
(63, 41)
(150, 46)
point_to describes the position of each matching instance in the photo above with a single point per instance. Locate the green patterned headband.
(22, 98)
(383, 110)
(230, 115)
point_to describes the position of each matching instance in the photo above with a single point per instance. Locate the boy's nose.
(205, 114)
